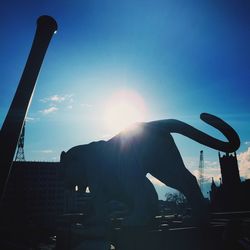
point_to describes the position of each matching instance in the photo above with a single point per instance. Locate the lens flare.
(123, 109)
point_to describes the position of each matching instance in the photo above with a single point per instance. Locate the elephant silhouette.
(115, 170)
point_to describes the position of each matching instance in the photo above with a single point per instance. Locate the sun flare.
(123, 109)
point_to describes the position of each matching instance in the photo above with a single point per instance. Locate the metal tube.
(12, 126)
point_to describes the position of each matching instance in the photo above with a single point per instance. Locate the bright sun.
(123, 109)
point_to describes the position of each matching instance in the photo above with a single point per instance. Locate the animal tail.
(233, 143)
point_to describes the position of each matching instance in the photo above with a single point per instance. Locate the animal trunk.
(176, 126)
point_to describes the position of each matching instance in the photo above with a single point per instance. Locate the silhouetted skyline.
(181, 59)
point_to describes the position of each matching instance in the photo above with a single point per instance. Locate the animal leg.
(177, 176)
(145, 204)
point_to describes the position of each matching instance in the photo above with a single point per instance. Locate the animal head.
(73, 169)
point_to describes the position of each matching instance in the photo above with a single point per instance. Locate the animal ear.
(62, 156)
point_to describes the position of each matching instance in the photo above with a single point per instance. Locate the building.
(231, 194)
(35, 195)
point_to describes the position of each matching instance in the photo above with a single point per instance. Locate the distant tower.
(201, 170)
(20, 146)
(229, 170)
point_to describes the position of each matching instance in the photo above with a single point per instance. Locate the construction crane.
(201, 171)
(20, 146)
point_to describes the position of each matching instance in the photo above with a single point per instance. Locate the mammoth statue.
(115, 170)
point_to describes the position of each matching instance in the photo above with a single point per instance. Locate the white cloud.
(49, 110)
(211, 168)
(55, 101)
(28, 119)
(211, 164)
(58, 98)
(244, 163)
(208, 174)
(192, 162)
(247, 142)
(31, 119)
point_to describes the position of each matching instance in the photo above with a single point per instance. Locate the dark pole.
(13, 123)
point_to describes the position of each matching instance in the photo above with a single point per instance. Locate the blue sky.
(181, 58)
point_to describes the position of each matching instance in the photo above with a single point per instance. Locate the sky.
(115, 62)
